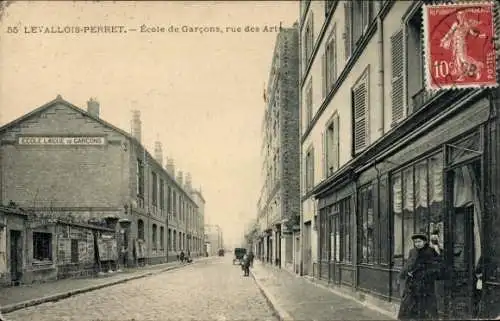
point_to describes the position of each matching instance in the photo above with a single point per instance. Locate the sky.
(200, 94)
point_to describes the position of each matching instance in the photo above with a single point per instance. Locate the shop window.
(366, 225)
(42, 246)
(324, 233)
(140, 229)
(155, 237)
(417, 204)
(347, 228)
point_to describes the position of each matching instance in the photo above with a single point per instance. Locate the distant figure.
(246, 265)
(251, 257)
(182, 256)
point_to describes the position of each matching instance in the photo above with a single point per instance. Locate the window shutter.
(360, 121)
(347, 30)
(336, 142)
(397, 61)
(324, 74)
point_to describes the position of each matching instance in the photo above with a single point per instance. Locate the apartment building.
(383, 158)
(68, 162)
(279, 204)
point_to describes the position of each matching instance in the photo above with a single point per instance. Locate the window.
(74, 251)
(416, 92)
(154, 237)
(169, 200)
(162, 238)
(140, 229)
(358, 15)
(332, 145)
(346, 229)
(174, 206)
(308, 40)
(366, 225)
(174, 239)
(140, 178)
(169, 240)
(324, 235)
(309, 169)
(309, 104)
(331, 59)
(417, 203)
(162, 195)
(360, 112)
(329, 4)
(154, 190)
(42, 246)
(397, 61)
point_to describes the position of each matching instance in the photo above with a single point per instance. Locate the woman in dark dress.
(419, 275)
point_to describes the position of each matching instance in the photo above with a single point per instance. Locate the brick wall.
(63, 176)
(289, 118)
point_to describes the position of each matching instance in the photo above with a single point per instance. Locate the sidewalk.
(19, 297)
(295, 298)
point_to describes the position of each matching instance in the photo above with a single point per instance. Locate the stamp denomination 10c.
(459, 46)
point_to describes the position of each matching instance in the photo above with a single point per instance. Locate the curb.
(63, 295)
(271, 300)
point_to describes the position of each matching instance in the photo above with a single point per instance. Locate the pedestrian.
(182, 256)
(246, 265)
(251, 258)
(418, 276)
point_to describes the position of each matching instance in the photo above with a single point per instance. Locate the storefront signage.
(79, 140)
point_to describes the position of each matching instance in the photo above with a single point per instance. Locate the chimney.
(158, 153)
(171, 167)
(93, 107)
(179, 178)
(136, 125)
(188, 182)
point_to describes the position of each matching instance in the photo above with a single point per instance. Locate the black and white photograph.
(305, 160)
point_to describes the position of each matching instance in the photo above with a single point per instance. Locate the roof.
(13, 210)
(59, 100)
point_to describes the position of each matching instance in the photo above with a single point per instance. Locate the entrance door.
(16, 256)
(307, 249)
(465, 227)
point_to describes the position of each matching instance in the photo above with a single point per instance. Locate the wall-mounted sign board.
(60, 140)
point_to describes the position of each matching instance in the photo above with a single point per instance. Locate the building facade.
(384, 158)
(214, 239)
(67, 162)
(279, 204)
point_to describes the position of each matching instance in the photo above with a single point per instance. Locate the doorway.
(307, 249)
(464, 252)
(16, 256)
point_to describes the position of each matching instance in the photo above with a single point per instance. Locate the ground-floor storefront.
(439, 178)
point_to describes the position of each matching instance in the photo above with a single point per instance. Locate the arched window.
(162, 238)
(154, 237)
(169, 240)
(140, 229)
(174, 239)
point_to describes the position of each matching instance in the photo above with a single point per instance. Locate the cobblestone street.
(214, 290)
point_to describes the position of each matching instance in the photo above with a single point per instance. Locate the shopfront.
(436, 180)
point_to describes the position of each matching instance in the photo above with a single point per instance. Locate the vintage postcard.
(249, 160)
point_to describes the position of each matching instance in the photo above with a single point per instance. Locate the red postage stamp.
(459, 46)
